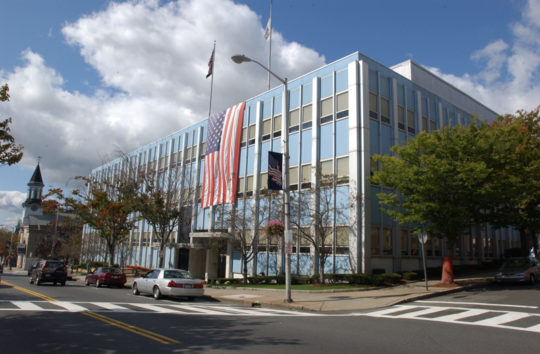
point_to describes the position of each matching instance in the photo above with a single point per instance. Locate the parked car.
(168, 282)
(111, 276)
(69, 272)
(32, 267)
(49, 271)
(519, 270)
(1, 268)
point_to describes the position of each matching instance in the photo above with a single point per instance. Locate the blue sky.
(91, 79)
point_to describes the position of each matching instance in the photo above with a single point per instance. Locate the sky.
(90, 80)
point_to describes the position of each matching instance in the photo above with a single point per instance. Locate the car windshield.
(175, 274)
(517, 264)
(54, 265)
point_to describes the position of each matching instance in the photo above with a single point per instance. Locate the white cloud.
(509, 80)
(152, 59)
(11, 201)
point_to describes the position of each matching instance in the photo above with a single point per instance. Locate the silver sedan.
(168, 282)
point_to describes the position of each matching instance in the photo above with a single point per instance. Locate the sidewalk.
(342, 301)
(328, 300)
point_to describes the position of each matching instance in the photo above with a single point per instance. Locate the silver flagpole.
(270, 48)
(212, 82)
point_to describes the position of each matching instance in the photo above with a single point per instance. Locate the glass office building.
(339, 116)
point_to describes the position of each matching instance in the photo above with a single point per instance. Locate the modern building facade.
(339, 116)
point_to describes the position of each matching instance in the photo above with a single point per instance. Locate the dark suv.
(50, 271)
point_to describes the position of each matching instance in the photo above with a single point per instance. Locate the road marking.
(499, 319)
(111, 306)
(137, 330)
(165, 307)
(475, 303)
(26, 306)
(503, 318)
(24, 290)
(71, 307)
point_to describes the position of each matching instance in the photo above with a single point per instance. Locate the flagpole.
(270, 48)
(213, 59)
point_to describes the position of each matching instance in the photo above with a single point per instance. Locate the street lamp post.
(239, 59)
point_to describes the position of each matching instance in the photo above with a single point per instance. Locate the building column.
(315, 177)
(256, 187)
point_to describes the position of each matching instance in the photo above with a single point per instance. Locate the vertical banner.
(275, 175)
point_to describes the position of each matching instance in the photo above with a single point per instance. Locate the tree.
(237, 223)
(161, 204)
(10, 153)
(108, 207)
(519, 177)
(314, 212)
(440, 181)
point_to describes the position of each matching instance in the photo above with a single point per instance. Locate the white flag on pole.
(268, 28)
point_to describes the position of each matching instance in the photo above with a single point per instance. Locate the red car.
(110, 276)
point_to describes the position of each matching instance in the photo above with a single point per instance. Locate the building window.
(327, 172)
(244, 137)
(327, 110)
(404, 242)
(277, 126)
(385, 110)
(424, 123)
(263, 181)
(307, 116)
(342, 107)
(294, 120)
(373, 109)
(306, 174)
(249, 185)
(410, 121)
(342, 168)
(293, 177)
(401, 117)
(252, 131)
(375, 245)
(266, 129)
(387, 241)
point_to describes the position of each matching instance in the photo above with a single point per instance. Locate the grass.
(299, 286)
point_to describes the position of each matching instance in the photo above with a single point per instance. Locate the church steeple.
(35, 189)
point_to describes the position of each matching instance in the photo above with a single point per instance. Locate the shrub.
(410, 276)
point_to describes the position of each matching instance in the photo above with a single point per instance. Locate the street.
(79, 319)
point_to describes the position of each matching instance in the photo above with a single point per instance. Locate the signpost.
(422, 238)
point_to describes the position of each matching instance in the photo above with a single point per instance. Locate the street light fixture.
(239, 59)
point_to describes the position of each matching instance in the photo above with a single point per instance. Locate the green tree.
(10, 153)
(519, 178)
(439, 181)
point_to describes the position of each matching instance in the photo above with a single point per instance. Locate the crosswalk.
(168, 308)
(463, 315)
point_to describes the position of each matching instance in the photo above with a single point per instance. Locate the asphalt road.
(79, 319)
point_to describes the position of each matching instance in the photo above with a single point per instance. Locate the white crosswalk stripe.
(461, 315)
(164, 307)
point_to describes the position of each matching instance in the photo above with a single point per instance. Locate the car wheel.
(54, 283)
(532, 279)
(157, 293)
(98, 284)
(135, 289)
(63, 283)
(86, 282)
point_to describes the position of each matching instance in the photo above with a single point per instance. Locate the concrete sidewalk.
(342, 301)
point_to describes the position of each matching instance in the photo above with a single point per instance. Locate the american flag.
(211, 64)
(222, 153)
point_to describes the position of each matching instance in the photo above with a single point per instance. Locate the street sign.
(422, 237)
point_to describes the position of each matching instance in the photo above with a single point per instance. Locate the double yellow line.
(122, 325)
